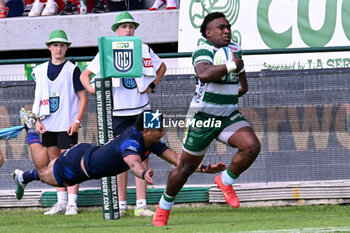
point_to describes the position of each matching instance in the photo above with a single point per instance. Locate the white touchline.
(303, 230)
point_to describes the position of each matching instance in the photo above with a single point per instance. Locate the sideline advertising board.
(275, 24)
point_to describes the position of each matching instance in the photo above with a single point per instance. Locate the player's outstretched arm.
(172, 157)
(135, 164)
(215, 168)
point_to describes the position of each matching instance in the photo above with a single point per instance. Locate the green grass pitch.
(209, 218)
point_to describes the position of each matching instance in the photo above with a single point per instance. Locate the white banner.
(272, 24)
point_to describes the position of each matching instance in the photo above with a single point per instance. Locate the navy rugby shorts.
(67, 169)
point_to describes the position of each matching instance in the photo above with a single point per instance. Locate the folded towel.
(11, 132)
(41, 105)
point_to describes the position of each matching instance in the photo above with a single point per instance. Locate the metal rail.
(189, 54)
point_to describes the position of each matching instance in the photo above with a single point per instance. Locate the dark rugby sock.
(29, 176)
(33, 137)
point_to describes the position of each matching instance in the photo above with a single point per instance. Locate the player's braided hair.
(210, 17)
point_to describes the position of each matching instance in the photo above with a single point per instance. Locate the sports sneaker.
(17, 176)
(27, 9)
(123, 212)
(229, 194)
(50, 8)
(37, 8)
(171, 7)
(4, 11)
(56, 208)
(143, 211)
(160, 217)
(71, 210)
(69, 9)
(27, 118)
(100, 7)
(157, 4)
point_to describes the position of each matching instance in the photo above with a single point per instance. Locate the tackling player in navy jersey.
(85, 162)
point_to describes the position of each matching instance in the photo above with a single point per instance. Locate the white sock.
(123, 205)
(226, 178)
(158, 3)
(62, 197)
(72, 199)
(171, 3)
(141, 203)
(164, 204)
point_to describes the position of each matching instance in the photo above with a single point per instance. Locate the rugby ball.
(222, 56)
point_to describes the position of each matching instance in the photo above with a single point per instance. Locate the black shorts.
(60, 139)
(121, 123)
(67, 169)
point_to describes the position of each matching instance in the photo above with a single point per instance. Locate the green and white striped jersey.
(214, 99)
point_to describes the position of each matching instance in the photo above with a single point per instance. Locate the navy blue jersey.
(108, 160)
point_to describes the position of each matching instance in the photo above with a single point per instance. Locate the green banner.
(120, 56)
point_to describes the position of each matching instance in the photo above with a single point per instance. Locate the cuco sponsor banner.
(275, 24)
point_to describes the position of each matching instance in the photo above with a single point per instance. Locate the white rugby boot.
(17, 175)
(28, 118)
